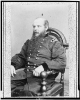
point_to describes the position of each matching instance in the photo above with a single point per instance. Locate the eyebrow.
(35, 25)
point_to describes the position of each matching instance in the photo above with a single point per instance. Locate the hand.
(13, 71)
(38, 70)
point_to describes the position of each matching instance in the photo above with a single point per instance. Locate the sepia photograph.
(39, 49)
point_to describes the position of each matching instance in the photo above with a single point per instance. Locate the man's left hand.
(38, 70)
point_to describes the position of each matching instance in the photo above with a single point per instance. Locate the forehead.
(38, 22)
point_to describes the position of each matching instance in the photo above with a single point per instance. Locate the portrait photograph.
(39, 49)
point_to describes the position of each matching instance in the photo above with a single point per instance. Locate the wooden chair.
(58, 87)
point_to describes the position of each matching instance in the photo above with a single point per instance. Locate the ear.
(46, 27)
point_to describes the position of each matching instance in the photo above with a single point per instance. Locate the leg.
(34, 85)
(17, 86)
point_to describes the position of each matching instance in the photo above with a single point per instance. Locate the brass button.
(30, 54)
(29, 57)
(28, 63)
(52, 40)
(34, 64)
(37, 55)
(28, 66)
(43, 39)
(36, 58)
(34, 67)
(38, 51)
(40, 46)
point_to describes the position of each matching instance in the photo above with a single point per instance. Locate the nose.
(35, 28)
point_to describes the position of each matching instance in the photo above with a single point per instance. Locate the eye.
(39, 26)
(33, 26)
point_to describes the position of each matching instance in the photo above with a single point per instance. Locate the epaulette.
(52, 35)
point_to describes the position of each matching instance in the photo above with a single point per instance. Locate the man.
(42, 52)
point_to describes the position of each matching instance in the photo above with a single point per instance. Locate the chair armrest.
(44, 75)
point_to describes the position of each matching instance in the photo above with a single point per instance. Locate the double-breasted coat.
(43, 49)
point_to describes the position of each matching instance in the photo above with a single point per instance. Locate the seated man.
(42, 52)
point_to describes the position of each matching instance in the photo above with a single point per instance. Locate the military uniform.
(43, 49)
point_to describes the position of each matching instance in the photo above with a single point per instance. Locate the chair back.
(59, 35)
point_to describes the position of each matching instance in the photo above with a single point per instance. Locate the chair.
(58, 87)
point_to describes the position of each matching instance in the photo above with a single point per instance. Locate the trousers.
(30, 85)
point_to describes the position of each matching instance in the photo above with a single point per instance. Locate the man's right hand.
(13, 71)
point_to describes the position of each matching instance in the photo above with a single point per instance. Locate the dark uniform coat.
(43, 49)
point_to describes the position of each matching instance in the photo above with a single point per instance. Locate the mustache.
(35, 32)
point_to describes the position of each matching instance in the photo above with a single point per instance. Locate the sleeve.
(58, 56)
(19, 60)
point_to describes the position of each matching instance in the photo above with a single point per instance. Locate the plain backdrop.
(23, 15)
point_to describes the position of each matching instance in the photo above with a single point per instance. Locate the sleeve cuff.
(45, 66)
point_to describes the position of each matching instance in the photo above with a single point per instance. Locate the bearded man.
(41, 53)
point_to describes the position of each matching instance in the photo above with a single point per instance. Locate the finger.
(34, 73)
(14, 71)
(12, 74)
(37, 74)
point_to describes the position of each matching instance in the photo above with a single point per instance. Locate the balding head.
(42, 21)
(40, 25)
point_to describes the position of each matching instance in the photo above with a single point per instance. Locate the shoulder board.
(53, 38)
